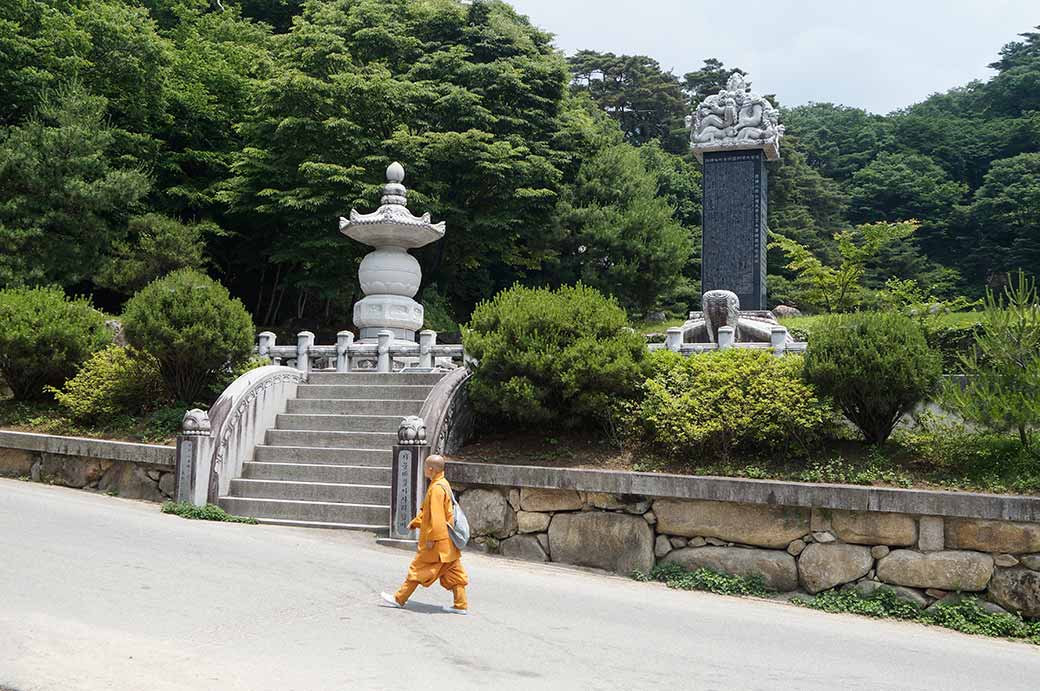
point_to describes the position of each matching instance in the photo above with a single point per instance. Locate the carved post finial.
(412, 431)
(196, 423)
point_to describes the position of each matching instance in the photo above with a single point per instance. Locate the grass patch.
(209, 512)
(675, 576)
(965, 616)
(950, 320)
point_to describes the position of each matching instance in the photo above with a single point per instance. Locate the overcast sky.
(874, 54)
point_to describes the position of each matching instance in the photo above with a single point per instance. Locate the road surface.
(98, 592)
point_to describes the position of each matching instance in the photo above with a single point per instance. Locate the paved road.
(104, 593)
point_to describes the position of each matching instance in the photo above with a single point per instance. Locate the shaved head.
(435, 463)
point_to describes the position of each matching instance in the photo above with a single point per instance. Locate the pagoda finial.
(393, 191)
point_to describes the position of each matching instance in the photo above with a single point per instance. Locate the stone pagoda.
(389, 275)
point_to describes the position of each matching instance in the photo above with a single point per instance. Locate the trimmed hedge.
(875, 366)
(44, 337)
(192, 327)
(552, 358)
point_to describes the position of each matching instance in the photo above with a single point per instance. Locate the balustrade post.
(383, 364)
(778, 340)
(265, 341)
(427, 339)
(726, 337)
(191, 478)
(673, 339)
(344, 339)
(304, 341)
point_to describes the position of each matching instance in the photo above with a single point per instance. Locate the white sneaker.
(455, 610)
(390, 599)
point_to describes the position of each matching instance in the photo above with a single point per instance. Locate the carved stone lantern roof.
(735, 119)
(392, 224)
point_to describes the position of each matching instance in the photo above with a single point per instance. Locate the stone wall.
(92, 464)
(922, 558)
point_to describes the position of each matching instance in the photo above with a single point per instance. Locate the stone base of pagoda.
(400, 315)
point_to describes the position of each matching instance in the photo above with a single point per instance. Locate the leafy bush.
(44, 336)
(114, 381)
(875, 366)
(555, 358)
(195, 330)
(1002, 391)
(717, 403)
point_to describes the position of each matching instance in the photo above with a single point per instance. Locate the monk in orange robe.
(438, 558)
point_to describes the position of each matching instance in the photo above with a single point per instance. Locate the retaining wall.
(134, 471)
(797, 537)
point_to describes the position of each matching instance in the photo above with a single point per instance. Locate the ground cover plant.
(960, 614)
(209, 512)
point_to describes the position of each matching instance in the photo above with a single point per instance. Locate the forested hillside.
(138, 137)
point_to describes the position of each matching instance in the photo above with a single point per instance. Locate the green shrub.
(553, 358)
(44, 336)
(209, 512)
(195, 330)
(721, 402)
(114, 381)
(1002, 392)
(875, 367)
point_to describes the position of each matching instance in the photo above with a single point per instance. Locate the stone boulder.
(131, 481)
(613, 502)
(613, 541)
(874, 528)
(525, 547)
(488, 512)
(992, 536)
(1017, 589)
(532, 521)
(1031, 561)
(532, 499)
(70, 471)
(821, 567)
(781, 311)
(747, 524)
(777, 569)
(16, 462)
(946, 570)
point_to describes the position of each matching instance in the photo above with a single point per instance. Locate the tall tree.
(646, 101)
(64, 202)
(1004, 219)
(708, 80)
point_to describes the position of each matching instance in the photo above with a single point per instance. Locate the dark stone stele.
(733, 250)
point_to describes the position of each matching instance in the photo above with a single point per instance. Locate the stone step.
(351, 392)
(420, 378)
(333, 406)
(338, 423)
(317, 472)
(379, 530)
(374, 517)
(310, 491)
(333, 440)
(323, 456)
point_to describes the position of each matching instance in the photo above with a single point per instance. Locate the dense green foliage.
(114, 381)
(874, 366)
(716, 404)
(192, 327)
(138, 137)
(675, 576)
(552, 358)
(1002, 387)
(44, 337)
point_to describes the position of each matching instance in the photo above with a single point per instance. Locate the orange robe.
(437, 558)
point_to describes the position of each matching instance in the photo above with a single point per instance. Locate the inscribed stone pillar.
(733, 134)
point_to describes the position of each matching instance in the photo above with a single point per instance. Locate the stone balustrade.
(778, 342)
(387, 354)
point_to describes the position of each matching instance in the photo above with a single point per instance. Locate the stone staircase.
(327, 461)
